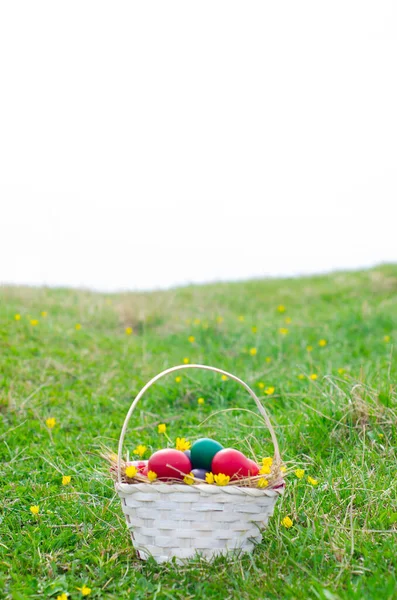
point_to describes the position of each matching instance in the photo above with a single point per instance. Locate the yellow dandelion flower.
(131, 471)
(128, 330)
(66, 479)
(266, 470)
(162, 428)
(152, 475)
(140, 450)
(267, 461)
(269, 390)
(209, 478)
(182, 444)
(341, 370)
(219, 320)
(287, 522)
(381, 435)
(312, 481)
(283, 331)
(191, 339)
(196, 322)
(62, 596)
(50, 422)
(77, 327)
(281, 308)
(253, 351)
(85, 590)
(35, 509)
(299, 473)
(313, 376)
(44, 313)
(17, 317)
(261, 385)
(322, 343)
(221, 479)
(224, 377)
(301, 376)
(178, 379)
(386, 338)
(262, 482)
(189, 479)
(200, 400)
(254, 329)
(268, 359)
(288, 320)
(186, 361)
(34, 322)
(309, 348)
(241, 318)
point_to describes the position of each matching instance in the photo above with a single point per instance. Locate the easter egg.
(203, 451)
(169, 464)
(233, 463)
(188, 454)
(200, 473)
(145, 471)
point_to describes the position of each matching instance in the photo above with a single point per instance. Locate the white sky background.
(147, 144)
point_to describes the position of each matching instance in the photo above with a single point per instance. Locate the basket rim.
(205, 488)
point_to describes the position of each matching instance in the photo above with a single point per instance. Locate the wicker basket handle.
(206, 368)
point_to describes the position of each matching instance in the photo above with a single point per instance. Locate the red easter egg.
(163, 461)
(145, 471)
(233, 463)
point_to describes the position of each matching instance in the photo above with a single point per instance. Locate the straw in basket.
(176, 520)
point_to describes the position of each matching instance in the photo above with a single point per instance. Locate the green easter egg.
(202, 453)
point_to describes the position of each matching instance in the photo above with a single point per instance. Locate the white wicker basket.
(178, 520)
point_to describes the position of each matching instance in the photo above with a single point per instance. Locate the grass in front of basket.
(80, 365)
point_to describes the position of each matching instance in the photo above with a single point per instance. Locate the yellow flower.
(224, 377)
(178, 379)
(191, 339)
(140, 450)
(283, 469)
(283, 331)
(386, 338)
(253, 351)
(312, 481)
(269, 390)
(322, 343)
(35, 509)
(313, 376)
(287, 522)
(287, 320)
(281, 308)
(34, 322)
(267, 461)
(196, 322)
(265, 470)
(128, 330)
(182, 444)
(261, 385)
(254, 329)
(268, 359)
(209, 478)
(200, 400)
(241, 318)
(219, 320)
(50, 422)
(66, 479)
(131, 471)
(77, 327)
(299, 473)
(44, 313)
(189, 479)
(186, 361)
(152, 475)
(162, 428)
(262, 482)
(221, 479)
(85, 591)
(62, 596)
(341, 370)
(309, 348)
(17, 317)
(301, 376)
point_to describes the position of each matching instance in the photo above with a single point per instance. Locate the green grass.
(340, 428)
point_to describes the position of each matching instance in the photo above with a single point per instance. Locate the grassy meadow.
(319, 353)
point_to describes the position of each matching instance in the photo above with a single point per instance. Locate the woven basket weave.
(177, 520)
